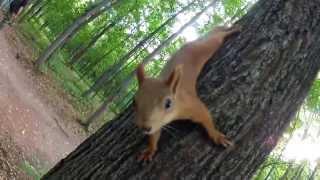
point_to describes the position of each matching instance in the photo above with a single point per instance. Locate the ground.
(11, 159)
(36, 121)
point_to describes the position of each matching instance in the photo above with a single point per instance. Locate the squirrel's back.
(192, 57)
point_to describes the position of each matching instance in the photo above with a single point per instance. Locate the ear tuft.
(174, 78)
(140, 74)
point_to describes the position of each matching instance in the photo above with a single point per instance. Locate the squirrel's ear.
(174, 78)
(140, 74)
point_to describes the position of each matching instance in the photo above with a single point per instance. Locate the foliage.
(32, 171)
(313, 99)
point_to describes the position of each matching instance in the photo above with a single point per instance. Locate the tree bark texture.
(253, 86)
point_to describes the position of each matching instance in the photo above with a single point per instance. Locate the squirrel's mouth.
(147, 130)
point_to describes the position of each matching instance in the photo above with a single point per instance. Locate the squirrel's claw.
(222, 140)
(146, 155)
(227, 143)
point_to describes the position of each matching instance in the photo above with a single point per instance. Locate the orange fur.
(173, 95)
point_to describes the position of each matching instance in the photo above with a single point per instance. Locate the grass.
(31, 170)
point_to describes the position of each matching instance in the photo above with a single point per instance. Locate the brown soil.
(11, 158)
(34, 111)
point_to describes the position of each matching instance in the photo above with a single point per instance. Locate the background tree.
(78, 23)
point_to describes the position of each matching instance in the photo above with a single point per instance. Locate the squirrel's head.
(155, 101)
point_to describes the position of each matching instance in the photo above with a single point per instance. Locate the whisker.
(172, 128)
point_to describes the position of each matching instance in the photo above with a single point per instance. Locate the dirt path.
(25, 116)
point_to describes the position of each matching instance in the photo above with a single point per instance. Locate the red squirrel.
(173, 96)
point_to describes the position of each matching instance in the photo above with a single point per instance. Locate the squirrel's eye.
(167, 103)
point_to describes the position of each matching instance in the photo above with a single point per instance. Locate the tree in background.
(69, 32)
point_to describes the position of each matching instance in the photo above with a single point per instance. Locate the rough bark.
(253, 86)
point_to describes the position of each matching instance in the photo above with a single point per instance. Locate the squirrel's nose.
(146, 129)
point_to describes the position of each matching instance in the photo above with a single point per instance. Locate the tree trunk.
(33, 5)
(38, 11)
(73, 28)
(104, 106)
(253, 86)
(95, 62)
(87, 69)
(80, 52)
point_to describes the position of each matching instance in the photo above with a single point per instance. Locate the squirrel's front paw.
(221, 139)
(147, 155)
